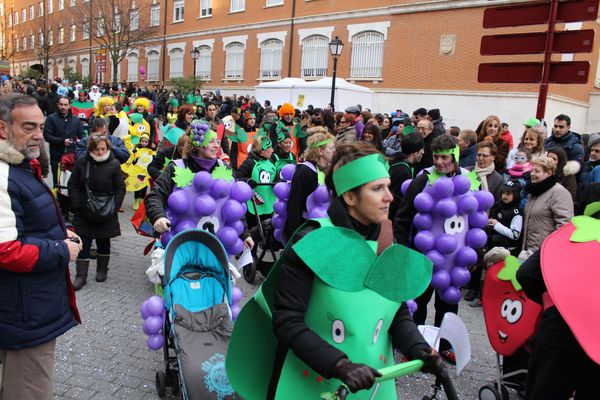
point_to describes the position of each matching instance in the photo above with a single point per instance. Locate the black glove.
(434, 364)
(355, 376)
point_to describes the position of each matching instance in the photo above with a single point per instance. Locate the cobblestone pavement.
(106, 356)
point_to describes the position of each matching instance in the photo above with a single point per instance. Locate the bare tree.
(115, 25)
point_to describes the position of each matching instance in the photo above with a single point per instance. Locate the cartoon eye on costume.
(249, 148)
(141, 128)
(454, 225)
(377, 330)
(209, 223)
(265, 177)
(338, 331)
(511, 310)
(81, 115)
(228, 125)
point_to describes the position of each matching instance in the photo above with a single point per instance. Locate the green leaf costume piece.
(354, 298)
(222, 172)
(509, 272)
(240, 135)
(587, 229)
(182, 177)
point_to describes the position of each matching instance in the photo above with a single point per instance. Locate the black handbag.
(99, 207)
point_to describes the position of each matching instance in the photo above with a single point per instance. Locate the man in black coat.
(402, 168)
(425, 128)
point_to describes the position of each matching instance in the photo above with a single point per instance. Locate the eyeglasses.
(483, 155)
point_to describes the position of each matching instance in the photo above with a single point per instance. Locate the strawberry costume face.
(510, 317)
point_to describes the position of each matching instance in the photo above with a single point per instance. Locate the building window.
(315, 50)
(16, 18)
(61, 35)
(204, 62)
(85, 67)
(234, 61)
(16, 39)
(134, 19)
(72, 66)
(132, 67)
(73, 3)
(155, 15)
(23, 15)
(205, 8)
(73, 32)
(178, 10)
(50, 38)
(32, 41)
(24, 41)
(61, 4)
(41, 37)
(41, 9)
(274, 2)
(61, 69)
(238, 5)
(31, 12)
(116, 28)
(152, 67)
(176, 63)
(270, 58)
(85, 30)
(100, 27)
(9, 20)
(367, 55)
(50, 7)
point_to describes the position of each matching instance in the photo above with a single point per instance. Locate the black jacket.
(400, 171)
(304, 182)
(158, 161)
(292, 297)
(427, 160)
(105, 177)
(57, 129)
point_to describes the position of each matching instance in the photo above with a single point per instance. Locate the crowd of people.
(98, 141)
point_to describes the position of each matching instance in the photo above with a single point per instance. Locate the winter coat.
(37, 301)
(105, 177)
(57, 129)
(118, 148)
(347, 136)
(468, 157)
(571, 144)
(427, 159)
(304, 182)
(400, 171)
(158, 161)
(544, 214)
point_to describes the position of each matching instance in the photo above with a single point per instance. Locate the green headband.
(455, 151)
(360, 171)
(321, 143)
(210, 135)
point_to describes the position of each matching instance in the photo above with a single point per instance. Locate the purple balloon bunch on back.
(236, 297)
(153, 313)
(317, 202)
(450, 223)
(215, 205)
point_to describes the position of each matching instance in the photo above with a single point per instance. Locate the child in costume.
(282, 153)
(520, 171)
(142, 106)
(334, 317)
(143, 155)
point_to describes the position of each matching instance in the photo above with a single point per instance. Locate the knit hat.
(145, 136)
(531, 122)
(511, 187)
(411, 143)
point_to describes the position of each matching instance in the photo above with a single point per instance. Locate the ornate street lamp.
(335, 48)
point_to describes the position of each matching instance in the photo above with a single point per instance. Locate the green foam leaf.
(241, 134)
(475, 182)
(433, 176)
(587, 229)
(509, 272)
(167, 162)
(222, 172)
(182, 177)
(298, 132)
(592, 209)
(136, 118)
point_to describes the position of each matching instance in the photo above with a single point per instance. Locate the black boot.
(81, 268)
(102, 267)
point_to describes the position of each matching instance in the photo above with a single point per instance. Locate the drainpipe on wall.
(289, 72)
(164, 50)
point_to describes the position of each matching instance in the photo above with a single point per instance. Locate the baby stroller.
(197, 295)
(265, 243)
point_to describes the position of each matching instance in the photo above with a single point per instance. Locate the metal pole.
(335, 59)
(543, 94)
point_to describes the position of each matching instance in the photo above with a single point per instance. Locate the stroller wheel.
(249, 272)
(174, 382)
(161, 383)
(490, 392)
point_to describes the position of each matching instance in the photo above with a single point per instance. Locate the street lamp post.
(335, 48)
(195, 56)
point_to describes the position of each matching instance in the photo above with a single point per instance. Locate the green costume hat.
(136, 118)
(360, 171)
(174, 102)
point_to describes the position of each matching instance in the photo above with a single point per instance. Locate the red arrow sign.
(531, 72)
(535, 43)
(539, 13)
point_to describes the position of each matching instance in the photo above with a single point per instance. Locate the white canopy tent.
(318, 93)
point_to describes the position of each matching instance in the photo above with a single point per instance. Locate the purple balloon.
(185, 225)
(476, 238)
(204, 205)
(287, 172)
(443, 187)
(179, 201)
(436, 258)
(282, 190)
(321, 194)
(165, 238)
(238, 226)
(440, 279)
(241, 191)
(460, 276)
(311, 202)
(155, 306)
(232, 211)
(446, 244)
(462, 184)
(144, 310)
(424, 241)
(220, 189)
(277, 221)
(423, 221)
(412, 306)
(227, 235)
(451, 295)
(424, 202)
(236, 248)
(465, 257)
(155, 342)
(235, 311)
(152, 325)
(280, 207)
(467, 204)
(171, 216)
(446, 208)
(478, 219)
(236, 295)
(317, 212)
(485, 199)
(202, 181)
(404, 188)
(278, 234)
